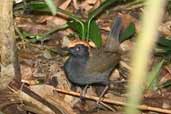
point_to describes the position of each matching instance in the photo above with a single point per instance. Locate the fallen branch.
(9, 68)
(141, 107)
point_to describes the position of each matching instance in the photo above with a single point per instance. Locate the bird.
(89, 66)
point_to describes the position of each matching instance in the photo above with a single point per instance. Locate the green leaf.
(97, 11)
(51, 6)
(164, 42)
(152, 79)
(162, 51)
(130, 31)
(95, 34)
(76, 26)
(36, 5)
(163, 47)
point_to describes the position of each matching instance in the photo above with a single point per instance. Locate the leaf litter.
(42, 66)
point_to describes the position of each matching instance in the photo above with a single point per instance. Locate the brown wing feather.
(102, 61)
(108, 56)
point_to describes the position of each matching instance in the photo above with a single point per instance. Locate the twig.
(167, 68)
(107, 106)
(141, 107)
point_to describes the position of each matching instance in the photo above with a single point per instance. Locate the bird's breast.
(74, 68)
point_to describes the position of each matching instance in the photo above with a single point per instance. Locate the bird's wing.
(108, 56)
(102, 61)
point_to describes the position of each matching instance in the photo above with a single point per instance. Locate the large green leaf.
(152, 77)
(76, 26)
(97, 11)
(95, 34)
(130, 31)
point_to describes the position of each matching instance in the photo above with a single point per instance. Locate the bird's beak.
(67, 50)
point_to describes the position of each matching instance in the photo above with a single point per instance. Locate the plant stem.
(145, 43)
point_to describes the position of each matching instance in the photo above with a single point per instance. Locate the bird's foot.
(100, 100)
(83, 93)
(101, 95)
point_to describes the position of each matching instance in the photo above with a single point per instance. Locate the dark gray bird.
(87, 66)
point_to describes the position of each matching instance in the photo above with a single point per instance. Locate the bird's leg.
(102, 94)
(83, 92)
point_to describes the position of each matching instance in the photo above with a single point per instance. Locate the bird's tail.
(112, 43)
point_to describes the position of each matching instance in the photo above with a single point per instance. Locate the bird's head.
(79, 50)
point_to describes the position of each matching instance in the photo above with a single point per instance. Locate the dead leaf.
(165, 28)
(65, 4)
(75, 4)
(26, 72)
(88, 5)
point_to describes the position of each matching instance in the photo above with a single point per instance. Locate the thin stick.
(141, 107)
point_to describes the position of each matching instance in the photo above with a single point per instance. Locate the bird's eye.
(78, 48)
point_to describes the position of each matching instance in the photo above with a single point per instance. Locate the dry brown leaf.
(27, 98)
(127, 45)
(26, 72)
(87, 5)
(165, 78)
(46, 92)
(105, 112)
(54, 21)
(65, 41)
(165, 28)
(65, 4)
(75, 4)
(107, 29)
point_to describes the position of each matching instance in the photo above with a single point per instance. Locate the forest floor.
(41, 62)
